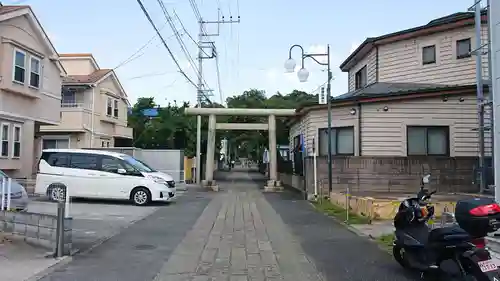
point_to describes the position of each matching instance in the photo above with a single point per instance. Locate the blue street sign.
(150, 112)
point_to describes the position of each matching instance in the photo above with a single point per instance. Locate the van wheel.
(141, 196)
(56, 193)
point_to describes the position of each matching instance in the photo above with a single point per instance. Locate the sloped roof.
(86, 79)
(391, 88)
(388, 91)
(75, 55)
(8, 9)
(437, 25)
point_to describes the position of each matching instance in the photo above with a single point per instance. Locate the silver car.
(18, 197)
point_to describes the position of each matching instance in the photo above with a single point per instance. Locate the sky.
(251, 54)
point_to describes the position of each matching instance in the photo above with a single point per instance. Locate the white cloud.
(271, 74)
(52, 37)
(319, 49)
(354, 46)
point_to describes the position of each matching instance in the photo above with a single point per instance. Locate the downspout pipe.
(92, 130)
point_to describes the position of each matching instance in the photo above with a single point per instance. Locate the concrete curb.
(354, 230)
(67, 259)
(62, 262)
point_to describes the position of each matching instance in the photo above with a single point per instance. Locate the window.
(68, 99)
(107, 144)
(102, 144)
(361, 78)
(463, 48)
(115, 108)
(56, 159)
(83, 161)
(19, 66)
(139, 165)
(16, 139)
(297, 156)
(35, 70)
(109, 109)
(433, 140)
(55, 143)
(111, 165)
(4, 148)
(429, 54)
(342, 141)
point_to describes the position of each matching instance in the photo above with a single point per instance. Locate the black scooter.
(447, 253)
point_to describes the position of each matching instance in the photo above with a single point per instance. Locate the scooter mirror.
(425, 179)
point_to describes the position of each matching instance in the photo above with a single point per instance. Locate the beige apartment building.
(423, 76)
(411, 107)
(30, 88)
(93, 107)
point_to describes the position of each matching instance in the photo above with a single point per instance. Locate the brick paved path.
(238, 237)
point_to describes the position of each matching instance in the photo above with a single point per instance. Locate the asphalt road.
(94, 220)
(337, 252)
(139, 251)
(285, 231)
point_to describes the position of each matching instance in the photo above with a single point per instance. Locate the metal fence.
(169, 161)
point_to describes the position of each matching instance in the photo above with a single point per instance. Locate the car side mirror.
(426, 179)
(121, 171)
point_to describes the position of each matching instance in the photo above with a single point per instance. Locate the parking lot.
(95, 220)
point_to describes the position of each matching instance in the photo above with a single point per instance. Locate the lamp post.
(303, 74)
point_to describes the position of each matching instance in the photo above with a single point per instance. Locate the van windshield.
(141, 166)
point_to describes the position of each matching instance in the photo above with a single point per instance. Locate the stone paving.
(239, 237)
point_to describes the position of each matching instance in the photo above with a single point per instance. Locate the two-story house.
(93, 108)
(30, 88)
(411, 107)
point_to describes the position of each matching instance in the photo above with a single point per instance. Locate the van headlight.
(157, 179)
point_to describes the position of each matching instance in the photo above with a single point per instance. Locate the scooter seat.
(449, 234)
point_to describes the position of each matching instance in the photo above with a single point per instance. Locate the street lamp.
(303, 74)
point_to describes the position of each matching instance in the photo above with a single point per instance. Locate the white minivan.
(101, 174)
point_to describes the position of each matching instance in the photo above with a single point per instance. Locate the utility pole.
(494, 28)
(478, 52)
(202, 55)
(490, 90)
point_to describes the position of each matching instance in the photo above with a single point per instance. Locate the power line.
(317, 88)
(164, 43)
(138, 50)
(189, 35)
(141, 54)
(181, 42)
(134, 56)
(150, 75)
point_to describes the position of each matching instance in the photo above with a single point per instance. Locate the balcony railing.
(72, 105)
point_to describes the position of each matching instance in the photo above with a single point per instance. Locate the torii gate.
(213, 126)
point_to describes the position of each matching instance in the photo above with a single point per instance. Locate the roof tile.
(12, 8)
(86, 79)
(75, 55)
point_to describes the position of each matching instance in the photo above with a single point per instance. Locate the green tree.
(172, 129)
